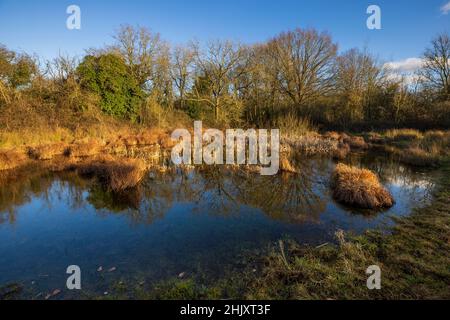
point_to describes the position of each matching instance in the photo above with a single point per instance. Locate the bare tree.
(301, 62)
(218, 65)
(182, 69)
(62, 68)
(140, 48)
(436, 65)
(357, 78)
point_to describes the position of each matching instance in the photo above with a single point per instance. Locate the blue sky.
(40, 26)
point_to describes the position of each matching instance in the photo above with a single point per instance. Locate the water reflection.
(290, 198)
(198, 221)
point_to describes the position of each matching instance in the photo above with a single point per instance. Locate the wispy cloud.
(445, 9)
(404, 70)
(407, 65)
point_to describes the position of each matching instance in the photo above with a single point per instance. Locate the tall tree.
(218, 65)
(302, 61)
(436, 65)
(182, 69)
(140, 48)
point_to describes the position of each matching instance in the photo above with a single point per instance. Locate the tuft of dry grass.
(342, 151)
(292, 126)
(311, 144)
(356, 142)
(11, 159)
(88, 148)
(333, 135)
(418, 157)
(403, 134)
(116, 174)
(285, 164)
(360, 188)
(48, 151)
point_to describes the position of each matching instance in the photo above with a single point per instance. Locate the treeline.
(299, 73)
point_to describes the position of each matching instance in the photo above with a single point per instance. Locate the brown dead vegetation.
(84, 148)
(418, 157)
(12, 159)
(47, 152)
(360, 188)
(286, 165)
(116, 174)
(342, 151)
(356, 142)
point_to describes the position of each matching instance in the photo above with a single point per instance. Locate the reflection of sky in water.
(202, 222)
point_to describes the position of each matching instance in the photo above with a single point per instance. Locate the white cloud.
(445, 9)
(404, 70)
(407, 65)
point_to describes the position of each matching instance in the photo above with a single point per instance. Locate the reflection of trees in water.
(410, 179)
(213, 189)
(287, 197)
(18, 187)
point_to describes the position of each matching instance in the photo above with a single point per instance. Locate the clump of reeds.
(292, 126)
(81, 149)
(341, 151)
(333, 135)
(403, 134)
(355, 142)
(311, 144)
(11, 159)
(375, 138)
(285, 164)
(48, 151)
(360, 188)
(116, 174)
(418, 157)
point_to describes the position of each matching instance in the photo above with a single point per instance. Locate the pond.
(199, 223)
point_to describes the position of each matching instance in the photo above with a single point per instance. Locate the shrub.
(108, 76)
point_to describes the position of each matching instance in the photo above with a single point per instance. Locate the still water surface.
(197, 223)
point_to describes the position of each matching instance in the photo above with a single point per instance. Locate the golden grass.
(285, 164)
(403, 134)
(292, 126)
(87, 148)
(342, 151)
(311, 144)
(116, 174)
(355, 142)
(11, 159)
(359, 187)
(418, 157)
(48, 151)
(333, 135)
